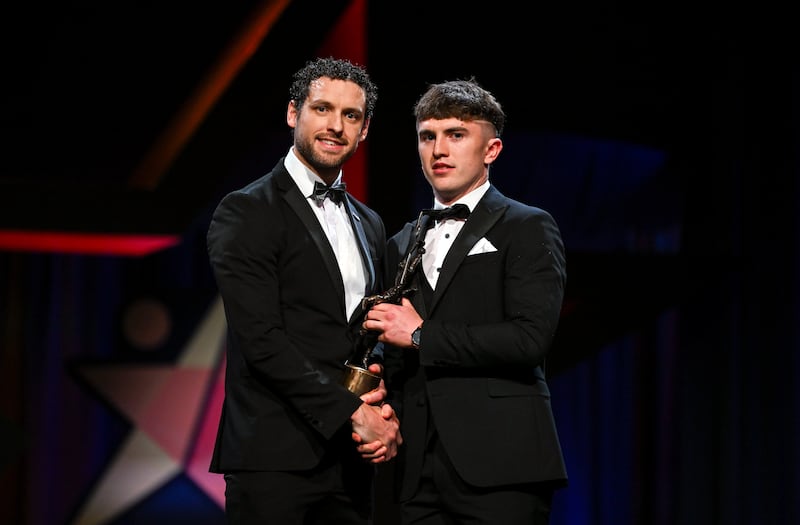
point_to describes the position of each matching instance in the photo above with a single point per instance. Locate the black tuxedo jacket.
(288, 336)
(479, 371)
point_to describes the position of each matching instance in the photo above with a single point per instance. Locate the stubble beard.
(321, 162)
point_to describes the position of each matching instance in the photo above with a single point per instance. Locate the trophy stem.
(359, 380)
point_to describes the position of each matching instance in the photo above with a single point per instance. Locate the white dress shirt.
(439, 239)
(335, 221)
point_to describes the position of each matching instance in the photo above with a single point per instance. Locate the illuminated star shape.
(174, 410)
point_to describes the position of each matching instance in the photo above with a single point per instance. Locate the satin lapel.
(300, 206)
(480, 221)
(366, 256)
(417, 298)
(363, 246)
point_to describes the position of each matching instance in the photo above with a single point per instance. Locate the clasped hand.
(376, 428)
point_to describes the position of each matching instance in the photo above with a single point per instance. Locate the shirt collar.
(302, 176)
(470, 199)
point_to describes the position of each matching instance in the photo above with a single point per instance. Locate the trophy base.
(360, 380)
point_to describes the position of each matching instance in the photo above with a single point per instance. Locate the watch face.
(415, 337)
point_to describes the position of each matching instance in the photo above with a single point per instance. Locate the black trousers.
(443, 498)
(337, 492)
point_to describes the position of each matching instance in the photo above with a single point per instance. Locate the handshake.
(376, 428)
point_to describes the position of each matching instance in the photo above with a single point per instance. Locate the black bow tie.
(335, 193)
(457, 211)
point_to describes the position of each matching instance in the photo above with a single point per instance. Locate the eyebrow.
(452, 129)
(327, 104)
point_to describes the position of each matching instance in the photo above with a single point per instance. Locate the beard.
(321, 161)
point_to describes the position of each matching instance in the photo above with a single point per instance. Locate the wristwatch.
(415, 336)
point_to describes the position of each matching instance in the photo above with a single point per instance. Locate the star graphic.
(174, 410)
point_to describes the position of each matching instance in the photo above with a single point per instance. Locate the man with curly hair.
(293, 254)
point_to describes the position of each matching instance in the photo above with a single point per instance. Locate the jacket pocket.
(506, 388)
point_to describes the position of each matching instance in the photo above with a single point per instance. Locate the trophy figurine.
(358, 379)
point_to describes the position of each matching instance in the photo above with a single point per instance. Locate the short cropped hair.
(462, 99)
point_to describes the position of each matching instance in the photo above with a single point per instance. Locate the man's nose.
(336, 121)
(439, 148)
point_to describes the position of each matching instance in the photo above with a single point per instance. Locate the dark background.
(663, 138)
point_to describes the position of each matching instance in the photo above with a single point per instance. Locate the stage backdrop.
(673, 375)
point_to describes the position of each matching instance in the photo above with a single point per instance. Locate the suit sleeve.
(244, 242)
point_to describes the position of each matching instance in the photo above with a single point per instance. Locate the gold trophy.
(358, 379)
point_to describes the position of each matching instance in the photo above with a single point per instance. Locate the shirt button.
(446, 235)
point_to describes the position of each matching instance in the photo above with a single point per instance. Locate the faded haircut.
(462, 99)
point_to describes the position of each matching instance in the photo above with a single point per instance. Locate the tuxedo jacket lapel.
(363, 247)
(415, 281)
(298, 203)
(483, 217)
(366, 257)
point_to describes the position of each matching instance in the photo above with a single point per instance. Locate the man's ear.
(291, 114)
(493, 149)
(364, 131)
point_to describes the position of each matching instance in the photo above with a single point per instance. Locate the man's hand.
(375, 397)
(376, 430)
(395, 322)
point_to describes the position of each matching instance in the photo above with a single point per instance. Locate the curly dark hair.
(461, 99)
(337, 69)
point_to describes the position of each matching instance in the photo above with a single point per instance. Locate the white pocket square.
(482, 246)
